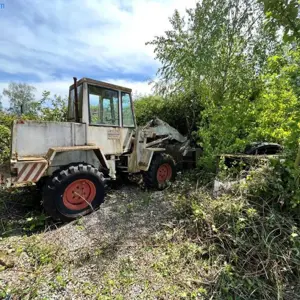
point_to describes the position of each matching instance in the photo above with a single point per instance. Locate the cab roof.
(101, 84)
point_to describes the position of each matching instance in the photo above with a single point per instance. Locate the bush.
(275, 184)
(254, 246)
(181, 111)
(4, 143)
(5, 125)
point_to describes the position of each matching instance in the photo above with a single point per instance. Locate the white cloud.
(56, 39)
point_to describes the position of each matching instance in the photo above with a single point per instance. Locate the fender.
(98, 152)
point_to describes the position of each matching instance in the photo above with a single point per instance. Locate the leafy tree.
(214, 57)
(283, 14)
(278, 107)
(218, 39)
(21, 98)
(49, 108)
(55, 108)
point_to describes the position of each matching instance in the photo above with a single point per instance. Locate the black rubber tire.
(55, 186)
(150, 177)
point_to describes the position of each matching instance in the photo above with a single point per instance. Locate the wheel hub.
(164, 173)
(79, 194)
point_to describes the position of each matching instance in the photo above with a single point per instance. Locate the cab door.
(111, 119)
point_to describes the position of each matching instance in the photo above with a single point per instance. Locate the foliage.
(21, 98)
(278, 108)
(254, 245)
(215, 56)
(283, 14)
(56, 109)
(224, 58)
(5, 125)
(4, 143)
(180, 111)
(277, 183)
(148, 107)
(214, 51)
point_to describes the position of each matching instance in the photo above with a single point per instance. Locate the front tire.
(162, 170)
(74, 191)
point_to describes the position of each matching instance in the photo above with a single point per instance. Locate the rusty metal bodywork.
(40, 148)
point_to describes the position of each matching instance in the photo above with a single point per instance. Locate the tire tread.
(55, 180)
(149, 176)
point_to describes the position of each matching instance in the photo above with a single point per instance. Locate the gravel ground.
(82, 259)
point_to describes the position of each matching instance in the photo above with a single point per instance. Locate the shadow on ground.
(21, 212)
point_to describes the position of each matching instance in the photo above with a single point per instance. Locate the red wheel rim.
(164, 173)
(79, 194)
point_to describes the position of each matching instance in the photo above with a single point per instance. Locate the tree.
(278, 107)
(283, 14)
(1, 106)
(215, 57)
(216, 39)
(55, 108)
(21, 98)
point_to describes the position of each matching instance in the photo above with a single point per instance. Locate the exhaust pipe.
(76, 101)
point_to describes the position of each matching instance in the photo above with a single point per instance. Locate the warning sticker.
(113, 134)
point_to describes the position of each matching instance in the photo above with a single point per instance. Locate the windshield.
(104, 106)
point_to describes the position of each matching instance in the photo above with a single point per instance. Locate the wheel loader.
(73, 161)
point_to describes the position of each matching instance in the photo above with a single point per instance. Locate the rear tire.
(74, 191)
(161, 172)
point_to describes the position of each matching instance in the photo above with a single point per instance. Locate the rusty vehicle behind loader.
(73, 161)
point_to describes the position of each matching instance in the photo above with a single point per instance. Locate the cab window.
(127, 113)
(104, 106)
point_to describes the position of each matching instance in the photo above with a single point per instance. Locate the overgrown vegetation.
(237, 246)
(251, 242)
(229, 60)
(229, 76)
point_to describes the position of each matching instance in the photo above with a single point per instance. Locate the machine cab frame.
(101, 104)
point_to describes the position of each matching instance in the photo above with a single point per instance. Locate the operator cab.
(101, 104)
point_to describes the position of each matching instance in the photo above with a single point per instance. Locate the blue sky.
(46, 43)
